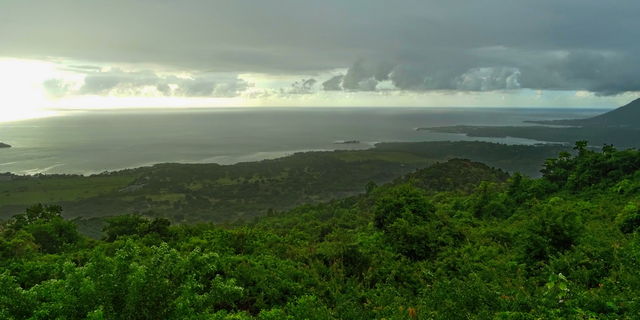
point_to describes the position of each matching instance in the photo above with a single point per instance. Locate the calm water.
(93, 142)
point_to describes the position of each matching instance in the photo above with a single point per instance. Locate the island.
(348, 142)
(4, 145)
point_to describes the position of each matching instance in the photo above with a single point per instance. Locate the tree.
(581, 147)
(403, 201)
(133, 224)
(124, 225)
(37, 213)
(45, 223)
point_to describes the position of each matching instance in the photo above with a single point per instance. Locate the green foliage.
(628, 220)
(432, 245)
(192, 193)
(402, 202)
(131, 224)
(589, 168)
(487, 201)
(42, 227)
(35, 214)
(554, 229)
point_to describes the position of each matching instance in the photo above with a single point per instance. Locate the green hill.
(189, 193)
(454, 175)
(453, 241)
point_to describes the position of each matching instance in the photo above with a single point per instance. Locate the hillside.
(4, 145)
(627, 116)
(427, 246)
(456, 175)
(216, 193)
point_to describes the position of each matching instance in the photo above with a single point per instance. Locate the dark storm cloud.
(417, 45)
(605, 73)
(304, 86)
(104, 82)
(333, 84)
(365, 75)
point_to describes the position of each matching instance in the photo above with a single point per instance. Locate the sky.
(97, 54)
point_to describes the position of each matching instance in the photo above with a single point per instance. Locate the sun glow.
(21, 93)
(24, 96)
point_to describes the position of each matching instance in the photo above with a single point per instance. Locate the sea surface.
(96, 141)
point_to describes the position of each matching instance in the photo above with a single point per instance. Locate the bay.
(96, 141)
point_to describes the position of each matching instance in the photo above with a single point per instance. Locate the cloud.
(56, 87)
(104, 82)
(364, 75)
(418, 45)
(488, 79)
(230, 88)
(498, 68)
(603, 72)
(133, 83)
(333, 84)
(422, 77)
(304, 86)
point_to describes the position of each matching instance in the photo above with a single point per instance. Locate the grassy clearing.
(58, 189)
(369, 155)
(170, 197)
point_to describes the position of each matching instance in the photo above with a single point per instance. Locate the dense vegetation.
(457, 240)
(216, 193)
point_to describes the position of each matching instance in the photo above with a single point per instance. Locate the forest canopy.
(456, 240)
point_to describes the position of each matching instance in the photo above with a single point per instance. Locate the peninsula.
(626, 116)
(619, 127)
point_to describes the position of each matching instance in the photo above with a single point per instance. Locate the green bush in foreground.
(565, 246)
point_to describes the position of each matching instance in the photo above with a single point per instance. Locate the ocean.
(96, 141)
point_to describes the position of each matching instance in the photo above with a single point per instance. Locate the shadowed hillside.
(627, 116)
(217, 193)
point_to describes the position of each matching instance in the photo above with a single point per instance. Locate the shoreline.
(260, 157)
(249, 158)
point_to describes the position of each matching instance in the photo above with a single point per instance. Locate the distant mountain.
(4, 145)
(627, 116)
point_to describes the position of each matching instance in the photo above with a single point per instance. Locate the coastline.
(217, 160)
(229, 136)
(265, 156)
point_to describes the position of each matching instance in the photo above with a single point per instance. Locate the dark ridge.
(627, 116)
(4, 145)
